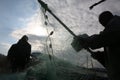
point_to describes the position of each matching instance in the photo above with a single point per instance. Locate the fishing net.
(58, 60)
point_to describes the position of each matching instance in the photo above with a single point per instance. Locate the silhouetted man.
(109, 39)
(19, 54)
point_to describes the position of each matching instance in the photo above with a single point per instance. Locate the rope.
(49, 46)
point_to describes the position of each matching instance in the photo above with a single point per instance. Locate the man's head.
(24, 38)
(105, 17)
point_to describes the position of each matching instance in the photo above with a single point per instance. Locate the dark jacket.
(19, 54)
(109, 38)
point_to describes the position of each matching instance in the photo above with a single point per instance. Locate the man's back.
(19, 53)
(113, 49)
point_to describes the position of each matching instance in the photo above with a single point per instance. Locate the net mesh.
(58, 60)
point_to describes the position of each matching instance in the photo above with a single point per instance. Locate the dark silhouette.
(91, 7)
(19, 54)
(109, 39)
(98, 55)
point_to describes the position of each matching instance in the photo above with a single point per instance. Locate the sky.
(25, 17)
(18, 18)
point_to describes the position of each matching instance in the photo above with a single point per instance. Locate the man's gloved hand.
(83, 40)
(79, 42)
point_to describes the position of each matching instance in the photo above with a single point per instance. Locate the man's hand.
(79, 42)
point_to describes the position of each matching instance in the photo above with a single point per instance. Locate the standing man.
(109, 39)
(19, 54)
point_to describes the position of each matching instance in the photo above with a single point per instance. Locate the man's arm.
(10, 52)
(98, 40)
(29, 52)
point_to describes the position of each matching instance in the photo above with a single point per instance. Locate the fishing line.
(49, 45)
